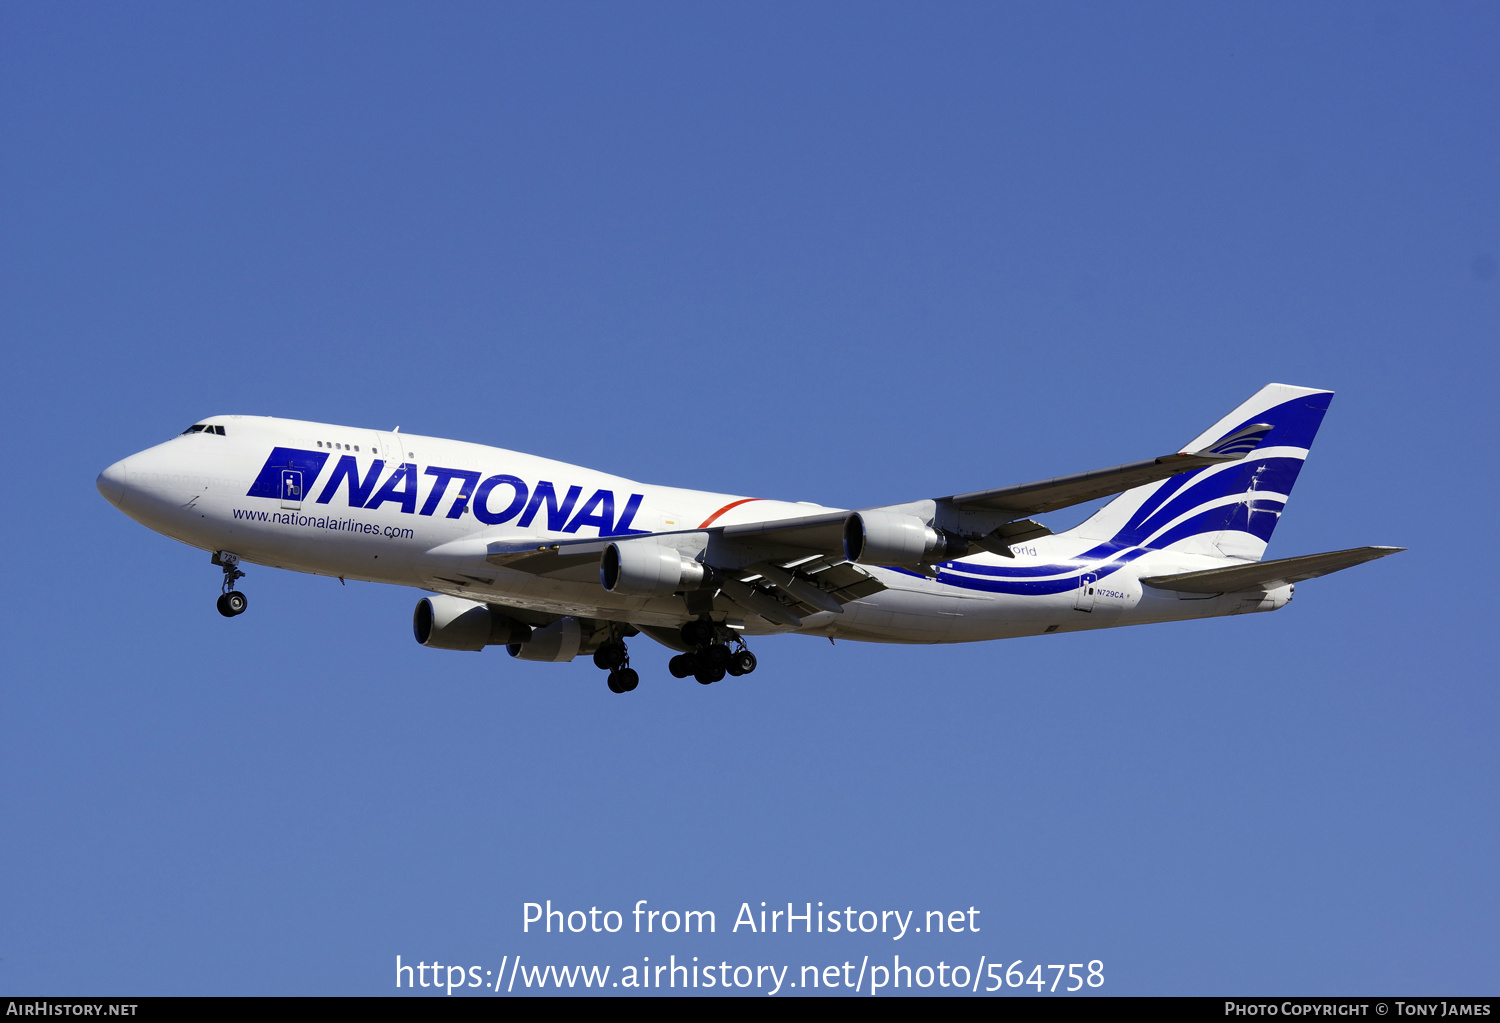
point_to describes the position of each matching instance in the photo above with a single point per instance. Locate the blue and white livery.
(554, 560)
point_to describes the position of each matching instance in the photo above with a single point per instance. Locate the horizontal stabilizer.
(1267, 575)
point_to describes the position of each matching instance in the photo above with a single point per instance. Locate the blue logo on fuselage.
(495, 499)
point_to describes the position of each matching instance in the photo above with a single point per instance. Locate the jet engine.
(563, 640)
(890, 538)
(644, 568)
(452, 623)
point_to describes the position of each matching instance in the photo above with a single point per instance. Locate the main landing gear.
(711, 659)
(231, 601)
(614, 658)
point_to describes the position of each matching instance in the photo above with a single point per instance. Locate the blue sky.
(851, 254)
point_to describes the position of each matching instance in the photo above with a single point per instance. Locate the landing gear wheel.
(682, 665)
(624, 680)
(610, 656)
(708, 676)
(717, 657)
(231, 601)
(698, 633)
(741, 663)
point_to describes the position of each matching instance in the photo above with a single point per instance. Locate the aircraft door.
(291, 489)
(1084, 601)
(391, 449)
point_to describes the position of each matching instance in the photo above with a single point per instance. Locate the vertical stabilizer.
(1229, 510)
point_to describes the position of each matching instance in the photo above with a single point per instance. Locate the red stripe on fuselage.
(732, 504)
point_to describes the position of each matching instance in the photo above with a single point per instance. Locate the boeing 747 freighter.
(554, 561)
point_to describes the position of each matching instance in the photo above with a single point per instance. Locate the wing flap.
(822, 584)
(761, 603)
(1268, 574)
(845, 581)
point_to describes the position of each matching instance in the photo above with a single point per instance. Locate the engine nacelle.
(452, 623)
(890, 538)
(560, 641)
(645, 568)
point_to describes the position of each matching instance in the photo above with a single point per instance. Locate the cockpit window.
(203, 428)
(195, 428)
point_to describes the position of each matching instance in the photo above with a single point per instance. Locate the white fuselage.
(424, 515)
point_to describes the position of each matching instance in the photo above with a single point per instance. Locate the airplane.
(555, 561)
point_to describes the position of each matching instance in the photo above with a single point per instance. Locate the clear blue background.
(851, 254)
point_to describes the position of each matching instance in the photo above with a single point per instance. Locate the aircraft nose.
(111, 482)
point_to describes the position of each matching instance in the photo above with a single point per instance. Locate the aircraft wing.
(1062, 491)
(821, 532)
(780, 590)
(540, 557)
(786, 569)
(825, 531)
(991, 519)
(1268, 575)
(789, 538)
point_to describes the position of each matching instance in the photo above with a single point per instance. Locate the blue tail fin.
(1228, 510)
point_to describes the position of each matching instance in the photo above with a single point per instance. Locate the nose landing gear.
(231, 601)
(711, 659)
